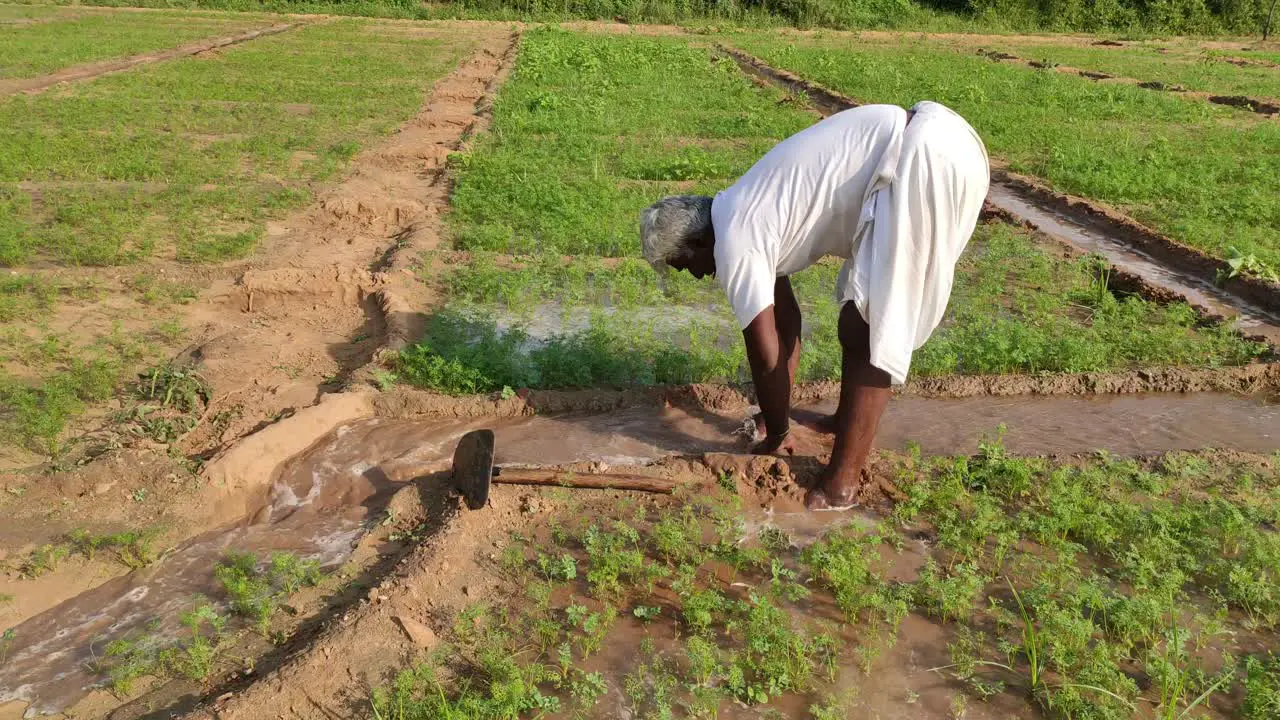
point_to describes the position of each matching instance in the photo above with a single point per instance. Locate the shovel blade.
(473, 467)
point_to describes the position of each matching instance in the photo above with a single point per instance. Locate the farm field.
(1177, 165)
(1204, 72)
(254, 295)
(63, 37)
(158, 172)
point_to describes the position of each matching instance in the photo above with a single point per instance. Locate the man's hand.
(775, 445)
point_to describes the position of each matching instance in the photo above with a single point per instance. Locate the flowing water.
(323, 500)
(1122, 255)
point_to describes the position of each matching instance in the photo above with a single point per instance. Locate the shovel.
(474, 472)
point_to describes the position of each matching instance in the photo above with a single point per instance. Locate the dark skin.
(773, 350)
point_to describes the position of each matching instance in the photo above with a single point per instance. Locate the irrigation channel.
(321, 501)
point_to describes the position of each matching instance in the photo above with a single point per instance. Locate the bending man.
(897, 194)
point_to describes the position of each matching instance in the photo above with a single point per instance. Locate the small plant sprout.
(382, 379)
(646, 613)
(6, 642)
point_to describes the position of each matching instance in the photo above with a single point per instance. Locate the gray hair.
(668, 226)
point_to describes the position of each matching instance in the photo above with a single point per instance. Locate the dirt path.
(87, 71)
(1263, 106)
(1254, 299)
(333, 286)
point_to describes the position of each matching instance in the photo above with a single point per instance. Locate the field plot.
(164, 166)
(1203, 174)
(1192, 72)
(67, 38)
(998, 588)
(587, 133)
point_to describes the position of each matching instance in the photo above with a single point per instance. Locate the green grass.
(135, 549)
(199, 644)
(1204, 174)
(21, 12)
(1015, 309)
(589, 130)
(189, 158)
(40, 48)
(1050, 582)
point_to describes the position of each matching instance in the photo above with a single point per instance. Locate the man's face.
(700, 264)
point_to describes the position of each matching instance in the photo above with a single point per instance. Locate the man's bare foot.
(818, 500)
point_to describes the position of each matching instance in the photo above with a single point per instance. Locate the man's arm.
(771, 375)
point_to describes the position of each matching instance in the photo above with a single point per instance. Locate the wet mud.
(106, 67)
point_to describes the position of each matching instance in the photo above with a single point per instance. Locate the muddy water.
(671, 323)
(323, 500)
(1122, 255)
(1121, 424)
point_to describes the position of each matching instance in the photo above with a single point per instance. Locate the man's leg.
(864, 394)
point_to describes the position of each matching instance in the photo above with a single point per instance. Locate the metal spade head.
(473, 467)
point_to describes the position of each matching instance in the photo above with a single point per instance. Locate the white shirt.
(801, 201)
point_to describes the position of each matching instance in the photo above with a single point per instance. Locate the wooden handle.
(602, 481)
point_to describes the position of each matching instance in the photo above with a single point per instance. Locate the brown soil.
(333, 288)
(91, 70)
(1176, 255)
(1262, 106)
(1248, 379)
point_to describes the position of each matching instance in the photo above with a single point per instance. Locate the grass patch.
(133, 548)
(192, 655)
(198, 643)
(588, 131)
(1202, 173)
(1194, 71)
(256, 593)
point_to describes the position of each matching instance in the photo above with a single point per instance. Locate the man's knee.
(854, 332)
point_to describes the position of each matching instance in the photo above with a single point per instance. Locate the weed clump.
(134, 548)
(194, 656)
(256, 594)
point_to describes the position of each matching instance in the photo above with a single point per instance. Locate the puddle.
(671, 323)
(324, 499)
(1251, 320)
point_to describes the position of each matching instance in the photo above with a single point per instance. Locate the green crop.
(1051, 582)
